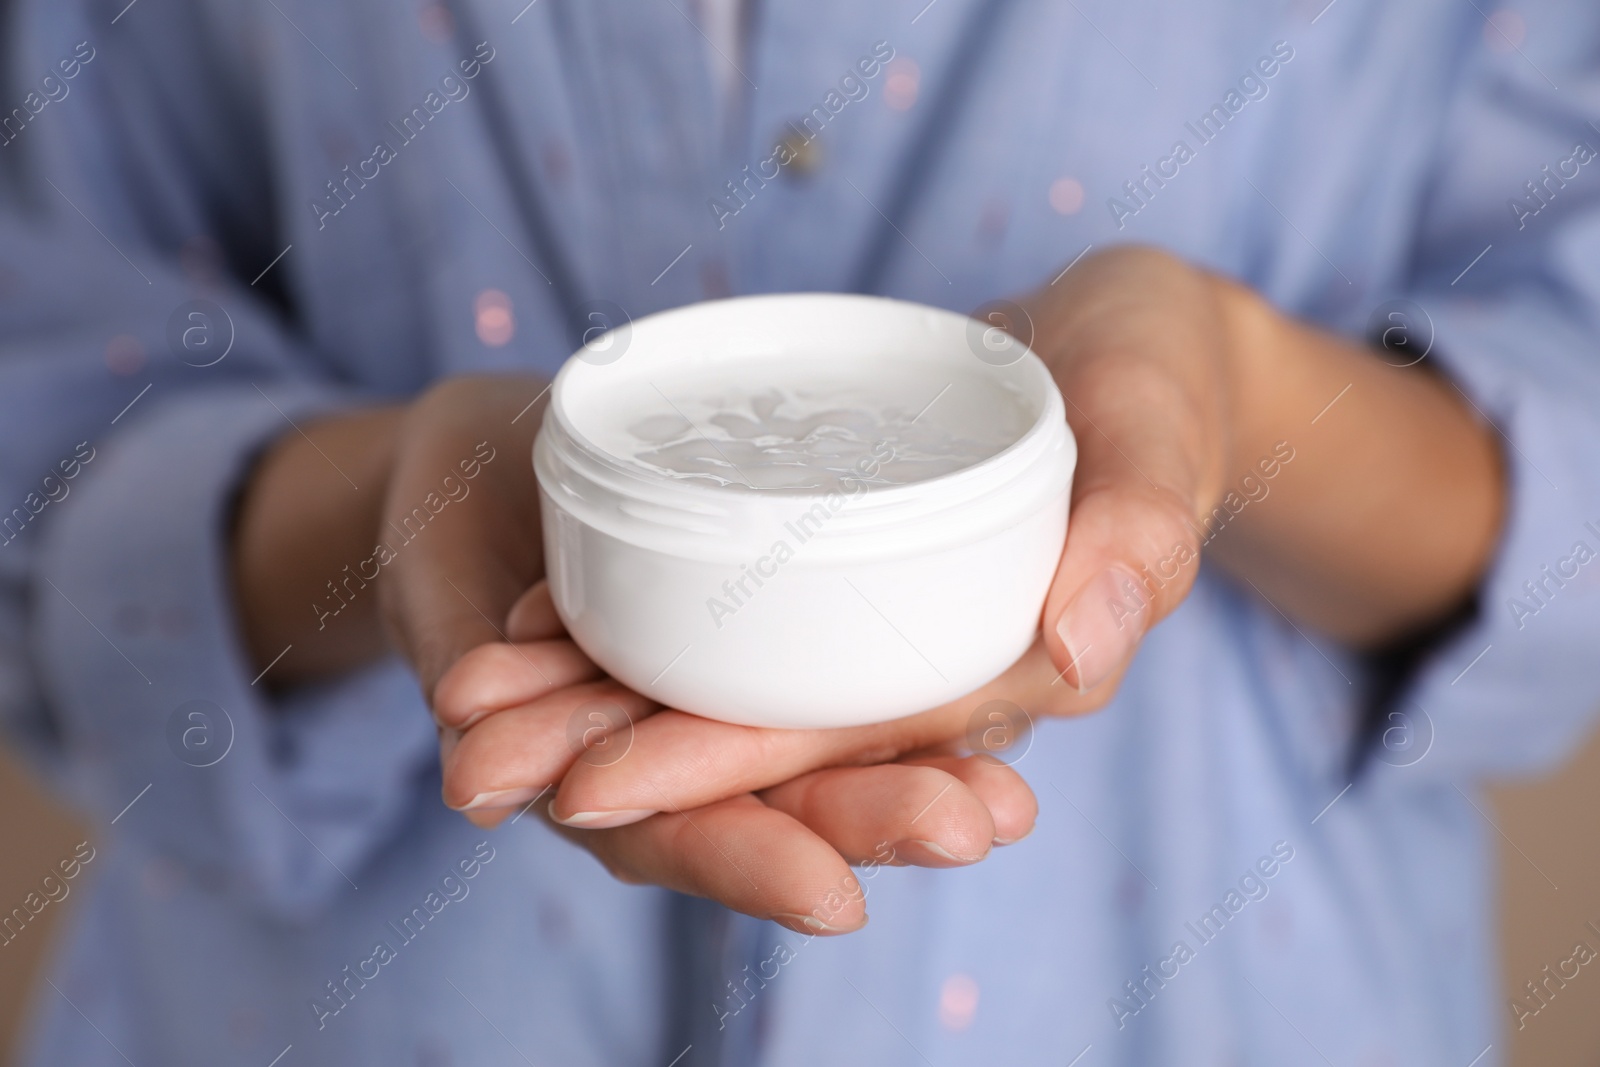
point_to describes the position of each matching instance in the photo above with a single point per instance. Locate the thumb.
(1131, 556)
(1138, 344)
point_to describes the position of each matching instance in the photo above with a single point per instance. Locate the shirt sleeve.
(283, 800)
(1506, 299)
(127, 426)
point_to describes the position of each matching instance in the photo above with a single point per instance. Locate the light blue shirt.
(1205, 885)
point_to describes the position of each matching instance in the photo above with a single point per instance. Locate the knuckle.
(1171, 520)
(455, 695)
(926, 788)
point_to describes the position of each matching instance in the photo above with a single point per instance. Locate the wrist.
(311, 505)
(1255, 340)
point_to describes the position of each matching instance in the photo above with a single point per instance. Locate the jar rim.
(1036, 465)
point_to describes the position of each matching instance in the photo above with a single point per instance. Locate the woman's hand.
(434, 556)
(520, 717)
(397, 528)
(1193, 402)
(765, 820)
(1138, 344)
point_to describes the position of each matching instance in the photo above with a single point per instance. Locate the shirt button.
(803, 152)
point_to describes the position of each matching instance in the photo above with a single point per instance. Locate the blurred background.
(1549, 838)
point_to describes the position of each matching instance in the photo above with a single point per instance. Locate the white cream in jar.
(806, 510)
(803, 427)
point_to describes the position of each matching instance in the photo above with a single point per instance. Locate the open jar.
(804, 510)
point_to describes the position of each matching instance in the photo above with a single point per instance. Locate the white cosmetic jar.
(888, 601)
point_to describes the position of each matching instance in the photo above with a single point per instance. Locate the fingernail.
(1102, 625)
(601, 820)
(501, 798)
(810, 924)
(937, 851)
(1003, 841)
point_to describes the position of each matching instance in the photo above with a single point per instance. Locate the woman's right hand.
(455, 589)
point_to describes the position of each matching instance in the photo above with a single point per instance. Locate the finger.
(742, 854)
(1147, 413)
(1003, 792)
(686, 761)
(893, 813)
(1131, 557)
(490, 818)
(533, 617)
(683, 761)
(507, 758)
(497, 675)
